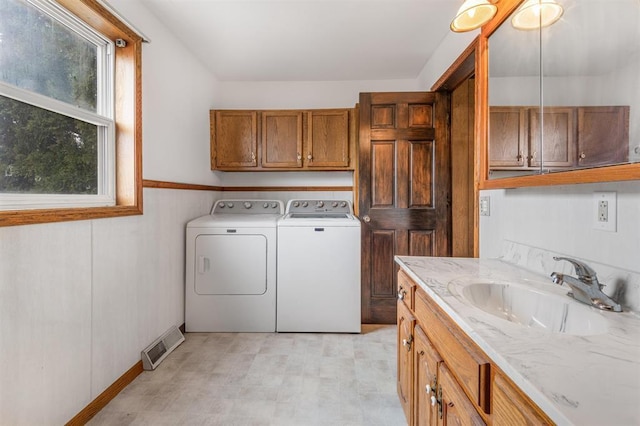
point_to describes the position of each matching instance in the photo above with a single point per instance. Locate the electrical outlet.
(485, 205)
(605, 211)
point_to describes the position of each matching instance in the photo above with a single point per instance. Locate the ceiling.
(308, 40)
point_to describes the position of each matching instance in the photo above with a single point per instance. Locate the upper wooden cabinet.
(234, 139)
(283, 140)
(524, 138)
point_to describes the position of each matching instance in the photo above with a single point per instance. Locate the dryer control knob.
(334, 204)
(221, 205)
(265, 205)
(247, 205)
(343, 204)
(230, 205)
(305, 204)
(274, 205)
(320, 204)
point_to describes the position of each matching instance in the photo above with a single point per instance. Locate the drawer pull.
(407, 343)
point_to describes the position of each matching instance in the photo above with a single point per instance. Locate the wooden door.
(406, 322)
(404, 189)
(558, 137)
(234, 139)
(282, 139)
(603, 135)
(328, 141)
(456, 408)
(427, 360)
(507, 136)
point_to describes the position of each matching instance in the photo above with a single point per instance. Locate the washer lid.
(235, 221)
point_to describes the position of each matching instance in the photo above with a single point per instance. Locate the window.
(69, 101)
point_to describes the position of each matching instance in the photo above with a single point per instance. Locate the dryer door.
(231, 264)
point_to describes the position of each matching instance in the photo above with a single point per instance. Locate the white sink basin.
(529, 307)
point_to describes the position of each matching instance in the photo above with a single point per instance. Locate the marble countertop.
(580, 380)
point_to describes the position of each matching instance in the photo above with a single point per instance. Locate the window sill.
(30, 217)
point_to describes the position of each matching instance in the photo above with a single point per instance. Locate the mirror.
(566, 96)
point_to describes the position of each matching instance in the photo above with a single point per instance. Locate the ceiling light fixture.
(536, 14)
(473, 14)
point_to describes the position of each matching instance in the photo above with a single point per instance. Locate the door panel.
(404, 187)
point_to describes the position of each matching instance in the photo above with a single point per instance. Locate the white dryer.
(231, 267)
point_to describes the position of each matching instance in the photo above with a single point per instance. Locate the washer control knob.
(221, 205)
(230, 205)
(343, 204)
(265, 205)
(334, 204)
(247, 205)
(274, 205)
(296, 204)
(305, 204)
(320, 204)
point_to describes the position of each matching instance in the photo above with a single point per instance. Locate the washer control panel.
(248, 207)
(319, 206)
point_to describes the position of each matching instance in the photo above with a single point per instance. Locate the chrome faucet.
(586, 287)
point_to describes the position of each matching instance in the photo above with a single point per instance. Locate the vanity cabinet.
(443, 377)
(283, 140)
(573, 137)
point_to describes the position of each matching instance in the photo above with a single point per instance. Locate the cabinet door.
(456, 407)
(510, 407)
(508, 140)
(328, 141)
(603, 135)
(406, 322)
(558, 128)
(282, 139)
(426, 364)
(234, 139)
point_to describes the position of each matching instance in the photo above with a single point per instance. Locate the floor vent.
(158, 350)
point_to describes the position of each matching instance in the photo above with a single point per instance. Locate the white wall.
(80, 300)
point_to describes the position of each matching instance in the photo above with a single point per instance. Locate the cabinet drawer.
(468, 364)
(406, 289)
(511, 406)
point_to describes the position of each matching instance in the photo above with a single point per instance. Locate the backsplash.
(621, 285)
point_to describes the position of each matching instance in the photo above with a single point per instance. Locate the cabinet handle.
(299, 156)
(407, 343)
(401, 293)
(434, 401)
(519, 156)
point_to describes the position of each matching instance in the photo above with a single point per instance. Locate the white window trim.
(103, 118)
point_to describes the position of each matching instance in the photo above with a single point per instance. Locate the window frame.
(127, 117)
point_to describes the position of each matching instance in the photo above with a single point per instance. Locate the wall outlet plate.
(485, 205)
(605, 211)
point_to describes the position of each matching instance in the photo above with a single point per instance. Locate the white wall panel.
(139, 279)
(45, 322)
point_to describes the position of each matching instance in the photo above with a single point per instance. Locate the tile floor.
(267, 379)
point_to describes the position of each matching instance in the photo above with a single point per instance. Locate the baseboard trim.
(105, 397)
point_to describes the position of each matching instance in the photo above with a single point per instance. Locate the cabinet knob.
(519, 156)
(434, 401)
(428, 388)
(401, 293)
(299, 156)
(309, 157)
(407, 343)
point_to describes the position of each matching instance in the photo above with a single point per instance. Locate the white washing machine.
(231, 267)
(319, 268)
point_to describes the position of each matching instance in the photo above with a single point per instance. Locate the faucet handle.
(583, 270)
